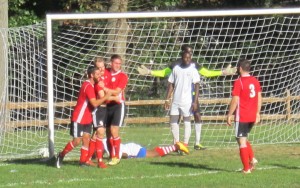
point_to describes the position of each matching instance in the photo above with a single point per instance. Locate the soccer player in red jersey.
(99, 116)
(115, 110)
(246, 103)
(81, 120)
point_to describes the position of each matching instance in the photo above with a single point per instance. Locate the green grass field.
(279, 166)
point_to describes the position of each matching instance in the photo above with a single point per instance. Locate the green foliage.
(20, 13)
(85, 6)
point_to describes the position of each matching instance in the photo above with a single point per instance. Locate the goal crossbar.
(127, 15)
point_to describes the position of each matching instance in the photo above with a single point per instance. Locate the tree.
(21, 13)
(3, 55)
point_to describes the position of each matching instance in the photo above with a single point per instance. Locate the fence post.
(288, 104)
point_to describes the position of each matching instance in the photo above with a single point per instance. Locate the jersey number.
(252, 90)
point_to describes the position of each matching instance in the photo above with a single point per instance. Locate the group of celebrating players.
(101, 104)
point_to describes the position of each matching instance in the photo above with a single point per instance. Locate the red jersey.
(83, 110)
(247, 88)
(118, 80)
(105, 79)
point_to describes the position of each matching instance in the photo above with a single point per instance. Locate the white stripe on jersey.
(122, 114)
(83, 108)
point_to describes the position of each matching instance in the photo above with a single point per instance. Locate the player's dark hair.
(244, 64)
(91, 70)
(183, 53)
(115, 56)
(185, 47)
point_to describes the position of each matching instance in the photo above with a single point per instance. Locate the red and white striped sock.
(162, 151)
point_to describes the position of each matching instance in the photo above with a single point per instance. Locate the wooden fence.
(148, 120)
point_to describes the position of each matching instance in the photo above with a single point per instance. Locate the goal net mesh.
(270, 42)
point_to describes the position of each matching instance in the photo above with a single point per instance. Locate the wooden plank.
(141, 120)
(30, 105)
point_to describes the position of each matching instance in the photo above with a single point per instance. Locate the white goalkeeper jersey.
(184, 80)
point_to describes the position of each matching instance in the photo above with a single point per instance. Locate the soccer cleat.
(199, 147)
(102, 165)
(253, 163)
(114, 161)
(90, 163)
(59, 160)
(246, 171)
(182, 148)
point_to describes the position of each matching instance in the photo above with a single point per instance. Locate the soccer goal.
(46, 65)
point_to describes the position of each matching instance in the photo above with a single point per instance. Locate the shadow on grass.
(286, 167)
(37, 161)
(187, 165)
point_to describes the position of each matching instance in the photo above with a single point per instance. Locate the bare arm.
(259, 103)
(232, 107)
(97, 102)
(101, 94)
(196, 96)
(169, 96)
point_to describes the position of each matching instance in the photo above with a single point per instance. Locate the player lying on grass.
(134, 150)
(202, 71)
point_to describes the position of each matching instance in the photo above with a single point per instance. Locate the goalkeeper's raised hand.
(229, 70)
(143, 70)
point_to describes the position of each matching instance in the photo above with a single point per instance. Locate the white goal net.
(270, 40)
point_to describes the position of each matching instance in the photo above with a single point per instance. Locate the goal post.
(47, 61)
(140, 15)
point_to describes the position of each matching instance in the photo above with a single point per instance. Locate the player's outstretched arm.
(156, 73)
(213, 73)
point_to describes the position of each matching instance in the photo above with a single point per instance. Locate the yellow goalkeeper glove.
(143, 70)
(229, 70)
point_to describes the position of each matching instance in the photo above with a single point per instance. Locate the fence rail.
(150, 120)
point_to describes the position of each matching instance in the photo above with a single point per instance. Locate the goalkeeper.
(203, 71)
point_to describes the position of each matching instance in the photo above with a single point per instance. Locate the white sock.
(198, 127)
(175, 131)
(187, 132)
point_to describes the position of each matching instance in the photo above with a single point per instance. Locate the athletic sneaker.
(246, 172)
(253, 163)
(102, 165)
(199, 147)
(59, 160)
(114, 161)
(182, 148)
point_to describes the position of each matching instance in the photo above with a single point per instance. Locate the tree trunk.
(117, 38)
(3, 62)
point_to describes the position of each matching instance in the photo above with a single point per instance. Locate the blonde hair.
(98, 59)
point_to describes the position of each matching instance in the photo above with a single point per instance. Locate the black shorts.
(242, 129)
(115, 114)
(99, 117)
(77, 129)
